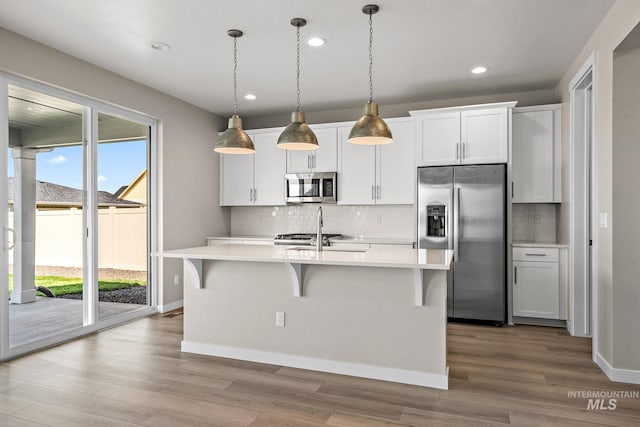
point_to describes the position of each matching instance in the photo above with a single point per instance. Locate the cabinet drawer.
(535, 254)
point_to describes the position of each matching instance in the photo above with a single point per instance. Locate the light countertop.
(391, 257)
(373, 240)
(259, 238)
(539, 245)
(343, 239)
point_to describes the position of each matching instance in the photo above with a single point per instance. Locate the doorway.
(583, 236)
(75, 179)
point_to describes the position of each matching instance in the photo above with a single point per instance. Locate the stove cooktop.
(302, 238)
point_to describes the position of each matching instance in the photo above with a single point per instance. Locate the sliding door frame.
(91, 108)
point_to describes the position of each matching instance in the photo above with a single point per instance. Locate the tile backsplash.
(366, 221)
(534, 222)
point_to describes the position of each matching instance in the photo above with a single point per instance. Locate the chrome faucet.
(319, 235)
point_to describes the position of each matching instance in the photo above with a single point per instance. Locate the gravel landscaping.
(134, 295)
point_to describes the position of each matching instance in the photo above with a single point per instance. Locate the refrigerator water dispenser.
(436, 221)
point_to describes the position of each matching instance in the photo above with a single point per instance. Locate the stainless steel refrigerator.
(463, 208)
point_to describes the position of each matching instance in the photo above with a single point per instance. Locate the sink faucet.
(319, 235)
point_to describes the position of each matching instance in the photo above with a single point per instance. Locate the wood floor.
(136, 375)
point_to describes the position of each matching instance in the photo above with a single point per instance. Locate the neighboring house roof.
(120, 190)
(132, 192)
(49, 194)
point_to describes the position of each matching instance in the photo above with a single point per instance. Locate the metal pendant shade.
(235, 140)
(298, 135)
(370, 129)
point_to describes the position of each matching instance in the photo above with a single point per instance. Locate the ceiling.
(423, 49)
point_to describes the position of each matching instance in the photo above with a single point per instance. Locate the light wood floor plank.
(137, 375)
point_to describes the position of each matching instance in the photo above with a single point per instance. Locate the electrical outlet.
(280, 318)
(176, 280)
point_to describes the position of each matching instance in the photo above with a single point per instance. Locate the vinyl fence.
(122, 238)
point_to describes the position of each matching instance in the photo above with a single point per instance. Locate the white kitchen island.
(379, 313)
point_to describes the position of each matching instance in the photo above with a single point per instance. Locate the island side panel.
(355, 320)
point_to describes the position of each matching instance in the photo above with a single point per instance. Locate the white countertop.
(392, 257)
(539, 245)
(343, 239)
(260, 238)
(373, 240)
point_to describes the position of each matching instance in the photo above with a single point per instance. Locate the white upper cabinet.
(485, 136)
(269, 168)
(396, 172)
(439, 138)
(236, 177)
(382, 174)
(324, 159)
(463, 135)
(254, 179)
(356, 172)
(536, 154)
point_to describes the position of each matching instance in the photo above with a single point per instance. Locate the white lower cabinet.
(537, 285)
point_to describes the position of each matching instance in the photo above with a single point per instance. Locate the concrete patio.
(50, 316)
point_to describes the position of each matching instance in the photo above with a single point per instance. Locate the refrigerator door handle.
(456, 221)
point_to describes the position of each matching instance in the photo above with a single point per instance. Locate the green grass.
(73, 285)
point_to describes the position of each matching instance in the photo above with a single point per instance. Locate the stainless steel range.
(303, 239)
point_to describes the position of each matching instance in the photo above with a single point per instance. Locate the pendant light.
(298, 135)
(234, 140)
(370, 129)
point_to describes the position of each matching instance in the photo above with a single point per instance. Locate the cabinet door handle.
(513, 189)
(255, 194)
(457, 150)
(373, 192)
(251, 194)
(464, 150)
(515, 275)
(379, 192)
(536, 254)
(308, 161)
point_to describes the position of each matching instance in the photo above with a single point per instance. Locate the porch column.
(24, 224)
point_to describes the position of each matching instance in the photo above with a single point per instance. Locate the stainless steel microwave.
(316, 187)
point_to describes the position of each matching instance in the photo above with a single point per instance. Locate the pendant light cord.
(298, 67)
(370, 57)
(235, 78)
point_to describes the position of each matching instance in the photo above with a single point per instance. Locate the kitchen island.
(379, 313)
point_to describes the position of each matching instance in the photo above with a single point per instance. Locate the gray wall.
(402, 110)
(610, 345)
(190, 169)
(626, 207)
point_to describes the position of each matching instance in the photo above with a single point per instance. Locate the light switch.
(280, 318)
(603, 220)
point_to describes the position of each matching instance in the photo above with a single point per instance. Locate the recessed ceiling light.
(316, 41)
(35, 109)
(161, 46)
(250, 96)
(479, 70)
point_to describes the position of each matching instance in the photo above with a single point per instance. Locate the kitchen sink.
(326, 249)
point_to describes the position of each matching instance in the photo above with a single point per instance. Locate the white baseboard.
(424, 379)
(171, 306)
(615, 374)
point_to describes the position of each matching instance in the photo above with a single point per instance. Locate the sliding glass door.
(75, 187)
(122, 215)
